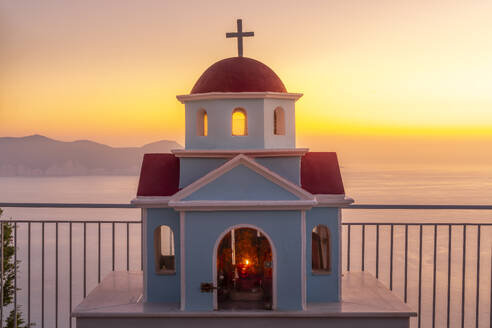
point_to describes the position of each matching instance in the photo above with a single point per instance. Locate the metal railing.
(443, 270)
(449, 230)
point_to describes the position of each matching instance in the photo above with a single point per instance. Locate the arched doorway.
(244, 270)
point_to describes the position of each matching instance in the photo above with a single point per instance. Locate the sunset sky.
(375, 70)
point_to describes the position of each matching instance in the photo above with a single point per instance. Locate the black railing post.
(434, 278)
(363, 262)
(377, 251)
(42, 274)
(70, 276)
(406, 265)
(477, 301)
(56, 275)
(420, 276)
(85, 259)
(448, 306)
(463, 279)
(29, 274)
(99, 252)
(391, 257)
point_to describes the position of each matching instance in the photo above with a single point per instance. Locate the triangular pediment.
(242, 181)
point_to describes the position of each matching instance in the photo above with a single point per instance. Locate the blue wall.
(323, 287)
(241, 183)
(287, 167)
(202, 231)
(192, 169)
(162, 287)
(204, 228)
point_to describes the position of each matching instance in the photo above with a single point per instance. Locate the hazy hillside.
(41, 156)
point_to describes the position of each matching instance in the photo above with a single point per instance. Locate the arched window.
(164, 250)
(239, 122)
(321, 249)
(279, 121)
(201, 122)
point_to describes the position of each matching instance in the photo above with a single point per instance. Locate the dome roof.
(238, 74)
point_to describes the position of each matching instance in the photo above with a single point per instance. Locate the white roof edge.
(234, 152)
(238, 95)
(333, 200)
(151, 201)
(322, 200)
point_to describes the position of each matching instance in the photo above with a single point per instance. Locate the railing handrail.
(68, 205)
(418, 207)
(357, 223)
(98, 221)
(353, 206)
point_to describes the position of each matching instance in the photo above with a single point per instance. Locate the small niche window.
(164, 250)
(279, 121)
(202, 123)
(321, 249)
(239, 122)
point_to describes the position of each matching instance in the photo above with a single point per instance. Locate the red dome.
(238, 74)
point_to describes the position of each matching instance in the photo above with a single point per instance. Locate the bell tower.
(239, 103)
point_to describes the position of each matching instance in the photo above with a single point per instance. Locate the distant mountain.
(37, 155)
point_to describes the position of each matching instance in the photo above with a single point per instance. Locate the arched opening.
(239, 122)
(279, 121)
(321, 249)
(164, 250)
(202, 123)
(245, 264)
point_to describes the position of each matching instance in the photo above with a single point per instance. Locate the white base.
(117, 302)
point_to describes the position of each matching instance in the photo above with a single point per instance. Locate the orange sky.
(109, 70)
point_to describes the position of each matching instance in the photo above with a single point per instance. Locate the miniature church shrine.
(241, 220)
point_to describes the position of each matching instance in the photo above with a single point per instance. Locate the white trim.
(321, 200)
(150, 201)
(303, 260)
(238, 95)
(339, 253)
(182, 260)
(250, 205)
(274, 258)
(250, 163)
(230, 153)
(144, 251)
(333, 200)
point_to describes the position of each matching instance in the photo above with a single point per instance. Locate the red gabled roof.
(159, 175)
(320, 173)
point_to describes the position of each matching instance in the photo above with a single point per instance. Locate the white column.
(171, 244)
(303, 260)
(144, 251)
(182, 259)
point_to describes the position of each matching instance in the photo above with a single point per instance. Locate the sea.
(444, 185)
